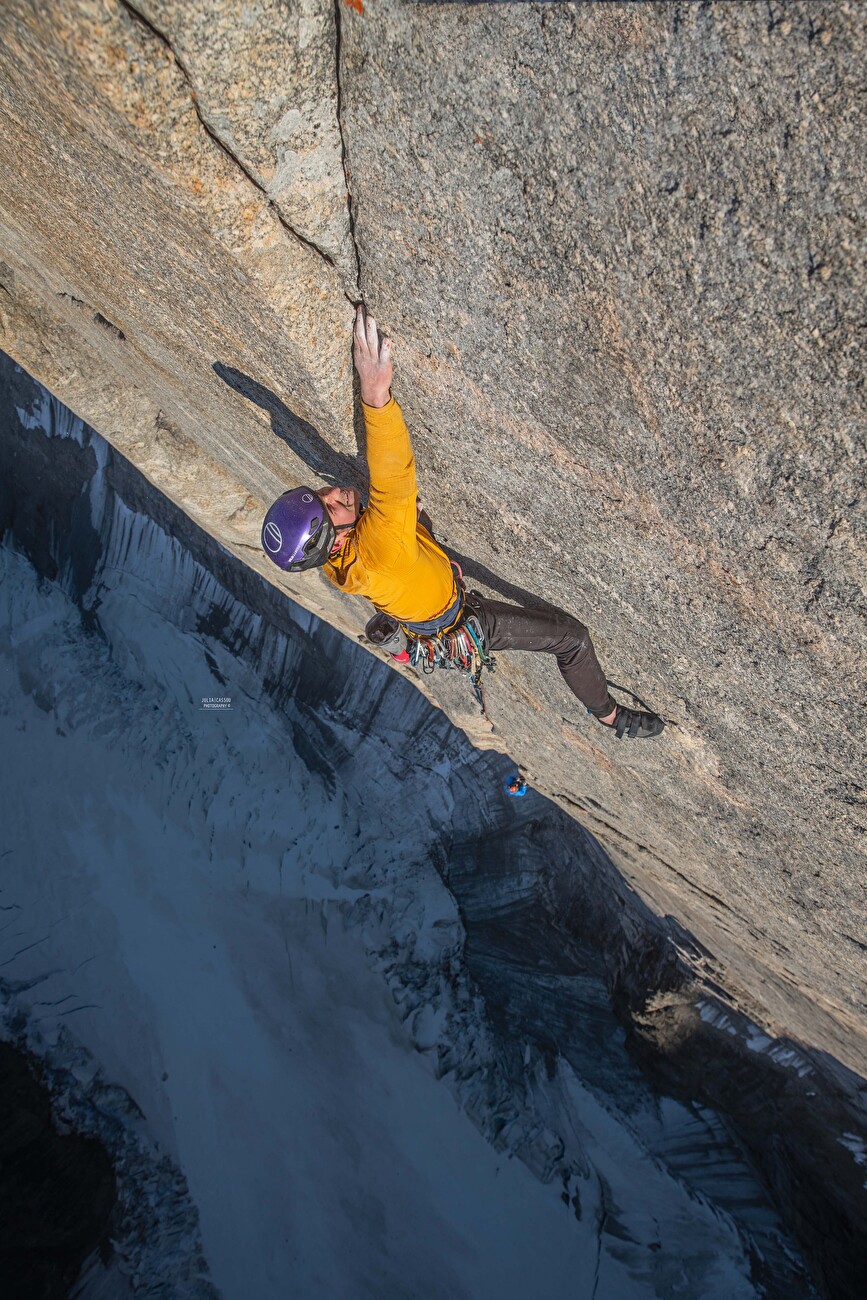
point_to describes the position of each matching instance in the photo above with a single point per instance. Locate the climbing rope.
(631, 694)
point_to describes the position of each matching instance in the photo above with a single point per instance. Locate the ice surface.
(852, 1142)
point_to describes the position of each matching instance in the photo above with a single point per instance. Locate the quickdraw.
(461, 648)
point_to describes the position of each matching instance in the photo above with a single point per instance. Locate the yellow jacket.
(389, 557)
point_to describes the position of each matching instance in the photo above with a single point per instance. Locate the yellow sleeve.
(387, 530)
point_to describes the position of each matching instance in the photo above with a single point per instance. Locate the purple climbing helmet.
(297, 532)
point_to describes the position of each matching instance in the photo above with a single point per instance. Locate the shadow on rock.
(57, 1190)
(564, 953)
(299, 435)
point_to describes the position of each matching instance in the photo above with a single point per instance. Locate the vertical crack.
(242, 167)
(338, 53)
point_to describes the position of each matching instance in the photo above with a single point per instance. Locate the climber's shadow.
(328, 465)
(508, 590)
(474, 569)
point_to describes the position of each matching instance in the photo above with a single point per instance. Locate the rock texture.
(262, 78)
(617, 248)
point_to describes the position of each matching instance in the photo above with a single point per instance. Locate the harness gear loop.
(458, 647)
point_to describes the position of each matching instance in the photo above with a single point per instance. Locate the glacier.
(281, 940)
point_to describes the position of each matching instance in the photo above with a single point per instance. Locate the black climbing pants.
(508, 627)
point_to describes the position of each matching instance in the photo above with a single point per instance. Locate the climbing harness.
(460, 646)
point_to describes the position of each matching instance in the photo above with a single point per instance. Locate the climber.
(516, 786)
(383, 552)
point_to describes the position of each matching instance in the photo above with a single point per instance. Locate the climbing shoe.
(635, 724)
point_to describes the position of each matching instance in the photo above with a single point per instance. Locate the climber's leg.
(509, 627)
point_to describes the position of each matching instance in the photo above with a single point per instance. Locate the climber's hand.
(372, 360)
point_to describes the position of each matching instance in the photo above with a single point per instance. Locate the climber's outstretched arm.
(372, 360)
(387, 531)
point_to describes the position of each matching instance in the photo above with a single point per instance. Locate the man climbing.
(384, 553)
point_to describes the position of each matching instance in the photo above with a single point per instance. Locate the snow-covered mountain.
(339, 1008)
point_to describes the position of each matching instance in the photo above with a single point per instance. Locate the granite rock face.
(617, 247)
(263, 77)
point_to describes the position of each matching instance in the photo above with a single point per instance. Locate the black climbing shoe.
(635, 724)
